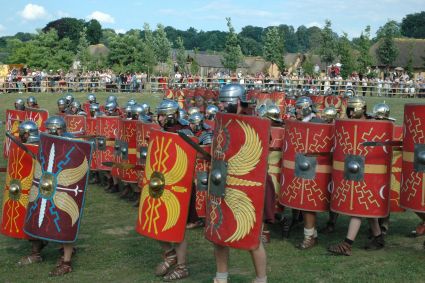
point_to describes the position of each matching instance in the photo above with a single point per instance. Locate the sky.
(346, 16)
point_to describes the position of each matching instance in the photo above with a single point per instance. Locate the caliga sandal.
(61, 269)
(342, 248)
(307, 243)
(29, 259)
(170, 260)
(181, 271)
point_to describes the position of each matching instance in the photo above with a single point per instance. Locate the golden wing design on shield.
(172, 205)
(242, 163)
(243, 211)
(66, 203)
(71, 176)
(37, 171)
(178, 171)
(33, 193)
(25, 187)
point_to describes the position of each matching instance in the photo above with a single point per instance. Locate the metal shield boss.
(396, 164)
(57, 195)
(361, 174)
(13, 119)
(307, 165)
(202, 170)
(76, 124)
(166, 190)
(19, 175)
(412, 192)
(38, 116)
(235, 199)
(107, 127)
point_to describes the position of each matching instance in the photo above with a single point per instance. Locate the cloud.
(62, 14)
(103, 18)
(33, 12)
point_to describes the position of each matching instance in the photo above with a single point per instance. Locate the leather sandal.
(62, 269)
(170, 260)
(181, 271)
(342, 248)
(307, 243)
(30, 259)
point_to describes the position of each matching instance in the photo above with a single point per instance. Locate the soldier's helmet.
(381, 111)
(167, 107)
(128, 110)
(28, 132)
(75, 104)
(111, 98)
(261, 110)
(193, 110)
(69, 98)
(196, 119)
(19, 104)
(272, 111)
(211, 111)
(137, 111)
(183, 114)
(304, 105)
(146, 107)
(356, 107)
(55, 123)
(91, 98)
(111, 107)
(61, 102)
(131, 102)
(329, 114)
(349, 92)
(94, 108)
(231, 93)
(31, 101)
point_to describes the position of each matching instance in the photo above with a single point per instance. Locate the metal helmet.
(94, 108)
(231, 93)
(146, 107)
(193, 110)
(272, 111)
(381, 111)
(131, 102)
(349, 92)
(261, 110)
(111, 107)
(167, 107)
(31, 101)
(128, 110)
(329, 92)
(183, 114)
(61, 101)
(356, 107)
(196, 119)
(137, 111)
(305, 104)
(28, 132)
(55, 123)
(19, 104)
(91, 98)
(76, 104)
(111, 98)
(210, 112)
(329, 114)
(69, 98)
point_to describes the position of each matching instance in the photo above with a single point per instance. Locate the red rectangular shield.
(75, 124)
(167, 185)
(38, 116)
(237, 181)
(19, 175)
(13, 119)
(396, 164)
(107, 127)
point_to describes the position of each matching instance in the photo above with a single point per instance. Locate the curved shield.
(13, 119)
(20, 171)
(235, 200)
(115, 170)
(167, 186)
(107, 129)
(143, 132)
(307, 165)
(412, 192)
(396, 164)
(75, 124)
(38, 116)
(202, 170)
(361, 174)
(274, 160)
(129, 150)
(57, 195)
(318, 102)
(91, 131)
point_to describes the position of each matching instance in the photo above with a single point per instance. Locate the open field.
(109, 250)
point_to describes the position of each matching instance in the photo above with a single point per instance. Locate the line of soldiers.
(232, 172)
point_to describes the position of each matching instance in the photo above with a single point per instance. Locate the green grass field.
(109, 249)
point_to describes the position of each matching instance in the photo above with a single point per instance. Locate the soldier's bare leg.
(221, 255)
(35, 256)
(377, 242)
(420, 228)
(64, 265)
(169, 259)
(259, 258)
(180, 271)
(344, 248)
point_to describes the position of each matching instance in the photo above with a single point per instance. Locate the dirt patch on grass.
(122, 231)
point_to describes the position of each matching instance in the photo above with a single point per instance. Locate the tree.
(409, 66)
(181, 53)
(93, 31)
(327, 49)
(126, 53)
(413, 25)
(83, 55)
(387, 51)
(232, 56)
(274, 48)
(162, 45)
(250, 46)
(364, 60)
(308, 65)
(66, 27)
(390, 28)
(149, 59)
(194, 66)
(347, 58)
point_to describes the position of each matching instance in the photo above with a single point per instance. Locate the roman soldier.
(354, 166)
(61, 105)
(75, 109)
(19, 104)
(32, 102)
